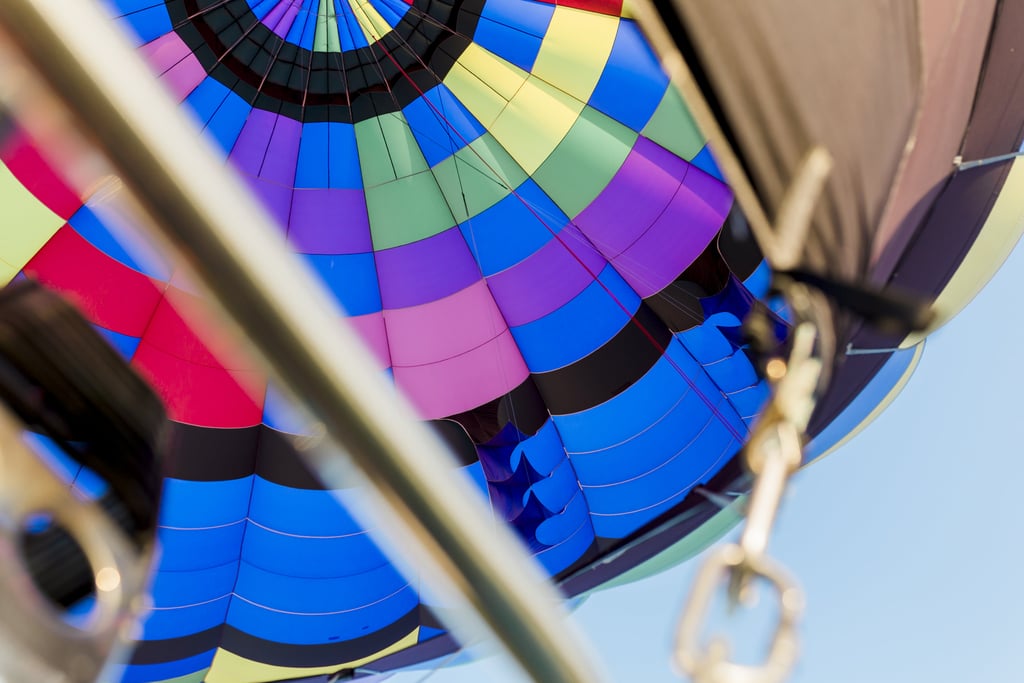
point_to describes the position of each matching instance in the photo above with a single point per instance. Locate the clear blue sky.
(908, 541)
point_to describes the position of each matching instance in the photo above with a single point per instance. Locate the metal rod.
(962, 165)
(439, 523)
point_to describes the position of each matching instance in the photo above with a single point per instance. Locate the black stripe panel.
(324, 654)
(211, 454)
(243, 54)
(269, 652)
(609, 370)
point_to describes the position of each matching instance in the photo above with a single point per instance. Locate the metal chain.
(773, 453)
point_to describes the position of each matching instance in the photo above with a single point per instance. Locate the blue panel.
(650, 447)
(148, 19)
(352, 278)
(221, 111)
(325, 608)
(749, 402)
(705, 161)
(344, 157)
(64, 466)
(426, 633)
(260, 8)
(475, 473)
(758, 282)
(308, 36)
(392, 12)
(313, 162)
(282, 415)
(706, 344)
(560, 527)
(558, 489)
(733, 373)
(352, 36)
(328, 157)
(300, 511)
(307, 595)
(511, 44)
(440, 124)
(543, 450)
(680, 472)
(162, 624)
(537, 220)
(199, 504)
(144, 673)
(303, 18)
(632, 411)
(580, 327)
(99, 231)
(122, 343)
(311, 557)
(632, 84)
(523, 15)
(561, 556)
(180, 589)
(199, 549)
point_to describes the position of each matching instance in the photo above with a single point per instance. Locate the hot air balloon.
(523, 221)
(534, 256)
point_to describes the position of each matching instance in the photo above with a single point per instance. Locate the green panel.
(585, 161)
(406, 210)
(477, 177)
(387, 149)
(197, 677)
(326, 37)
(673, 127)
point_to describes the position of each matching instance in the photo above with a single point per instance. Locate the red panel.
(183, 326)
(205, 395)
(111, 294)
(36, 174)
(612, 7)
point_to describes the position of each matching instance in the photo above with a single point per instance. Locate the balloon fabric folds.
(521, 220)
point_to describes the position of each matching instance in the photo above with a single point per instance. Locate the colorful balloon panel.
(521, 220)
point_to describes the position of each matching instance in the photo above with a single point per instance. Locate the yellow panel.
(369, 19)
(230, 668)
(534, 122)
(575, 50)
(26, 224)
(484, 83)
(1002, 230)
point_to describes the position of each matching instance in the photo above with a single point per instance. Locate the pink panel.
(466, 381)
(372, 331)
(444, 328)
(175, 64)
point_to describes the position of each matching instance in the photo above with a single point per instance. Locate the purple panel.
(329, 221)
(677, 238)
(280, 19)
(251, 146)
(425, 271)
(282, 153)
(634, 199)
(277, 199)
(547, 279)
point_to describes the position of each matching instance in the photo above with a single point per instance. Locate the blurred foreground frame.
(202, 213)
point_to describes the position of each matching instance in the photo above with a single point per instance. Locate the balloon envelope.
(521, 220)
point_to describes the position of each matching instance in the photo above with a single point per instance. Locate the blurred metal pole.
(437, 522)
